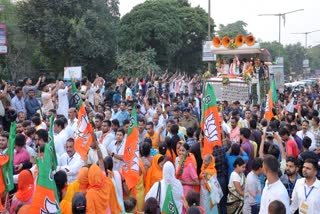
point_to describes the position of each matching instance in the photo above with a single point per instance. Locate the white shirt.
(309, 134)
(93, 155)
(73, 125)
(71, 165)
(107, 139)
(63, 102)
(158, 126)
(128, 94)
(272, 192)
(91, 94)
(299, 196)
(117, 164)
(60, 141)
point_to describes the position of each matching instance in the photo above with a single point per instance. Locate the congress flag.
(45, 198)
(210, 121)
(269, 105)
(130, 167)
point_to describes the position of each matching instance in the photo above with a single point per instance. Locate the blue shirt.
(121, 116)
(232, 158)
(18, 104)
(32, 106)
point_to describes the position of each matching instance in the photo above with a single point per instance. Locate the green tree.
(314, 57)
(172, 28)
(295, 53)
(233, 29)
(135, 64)
(70, 32)
(18, 62)
(275, 48)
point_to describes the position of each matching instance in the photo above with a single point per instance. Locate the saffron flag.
(269, 105)
(84, 132)
(169, 206)
(274, 91)
(7, 167)
(130, 167)
(210, 121)
(51, 146)
(45, 198)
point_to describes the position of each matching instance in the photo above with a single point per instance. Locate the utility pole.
(306, 34)
(283, 15)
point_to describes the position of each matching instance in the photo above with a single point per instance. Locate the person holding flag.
(6, 165)
(168, 191)
(45, 198)
(84, 134)
(131, 166)
(210, 121)
(269, 106)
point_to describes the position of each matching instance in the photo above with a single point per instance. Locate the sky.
(265, 28)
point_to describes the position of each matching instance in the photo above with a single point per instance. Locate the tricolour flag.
(269, 105)
(45, 198)
(274, 91)
(52, 148)
(84, 133)
(169, 206)
(210, 121)
(130, 167)
(7, 168)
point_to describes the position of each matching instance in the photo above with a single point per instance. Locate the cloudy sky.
(265, 28)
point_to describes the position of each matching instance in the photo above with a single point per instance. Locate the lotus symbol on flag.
(210, 128)
(50, 207)
(81, 132)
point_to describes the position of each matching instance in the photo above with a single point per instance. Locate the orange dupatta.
(25, 186)
(101, 195)
(154, 173)
(210, 169)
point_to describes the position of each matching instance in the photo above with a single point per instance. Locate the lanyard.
(291, 185)
(117, 149)
(305, 192)
(69, 160)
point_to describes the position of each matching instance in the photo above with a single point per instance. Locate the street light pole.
(283, 15)
(306, 34)
(209, 28)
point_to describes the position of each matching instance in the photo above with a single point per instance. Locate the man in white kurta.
(70, 162)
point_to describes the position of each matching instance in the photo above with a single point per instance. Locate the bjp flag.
(51, 146)
(84, 132)
(210, 121)
(45, 198)
(6, 165)
(269, 105)
(130, 167)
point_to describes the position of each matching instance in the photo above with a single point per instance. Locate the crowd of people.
(261, 166)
